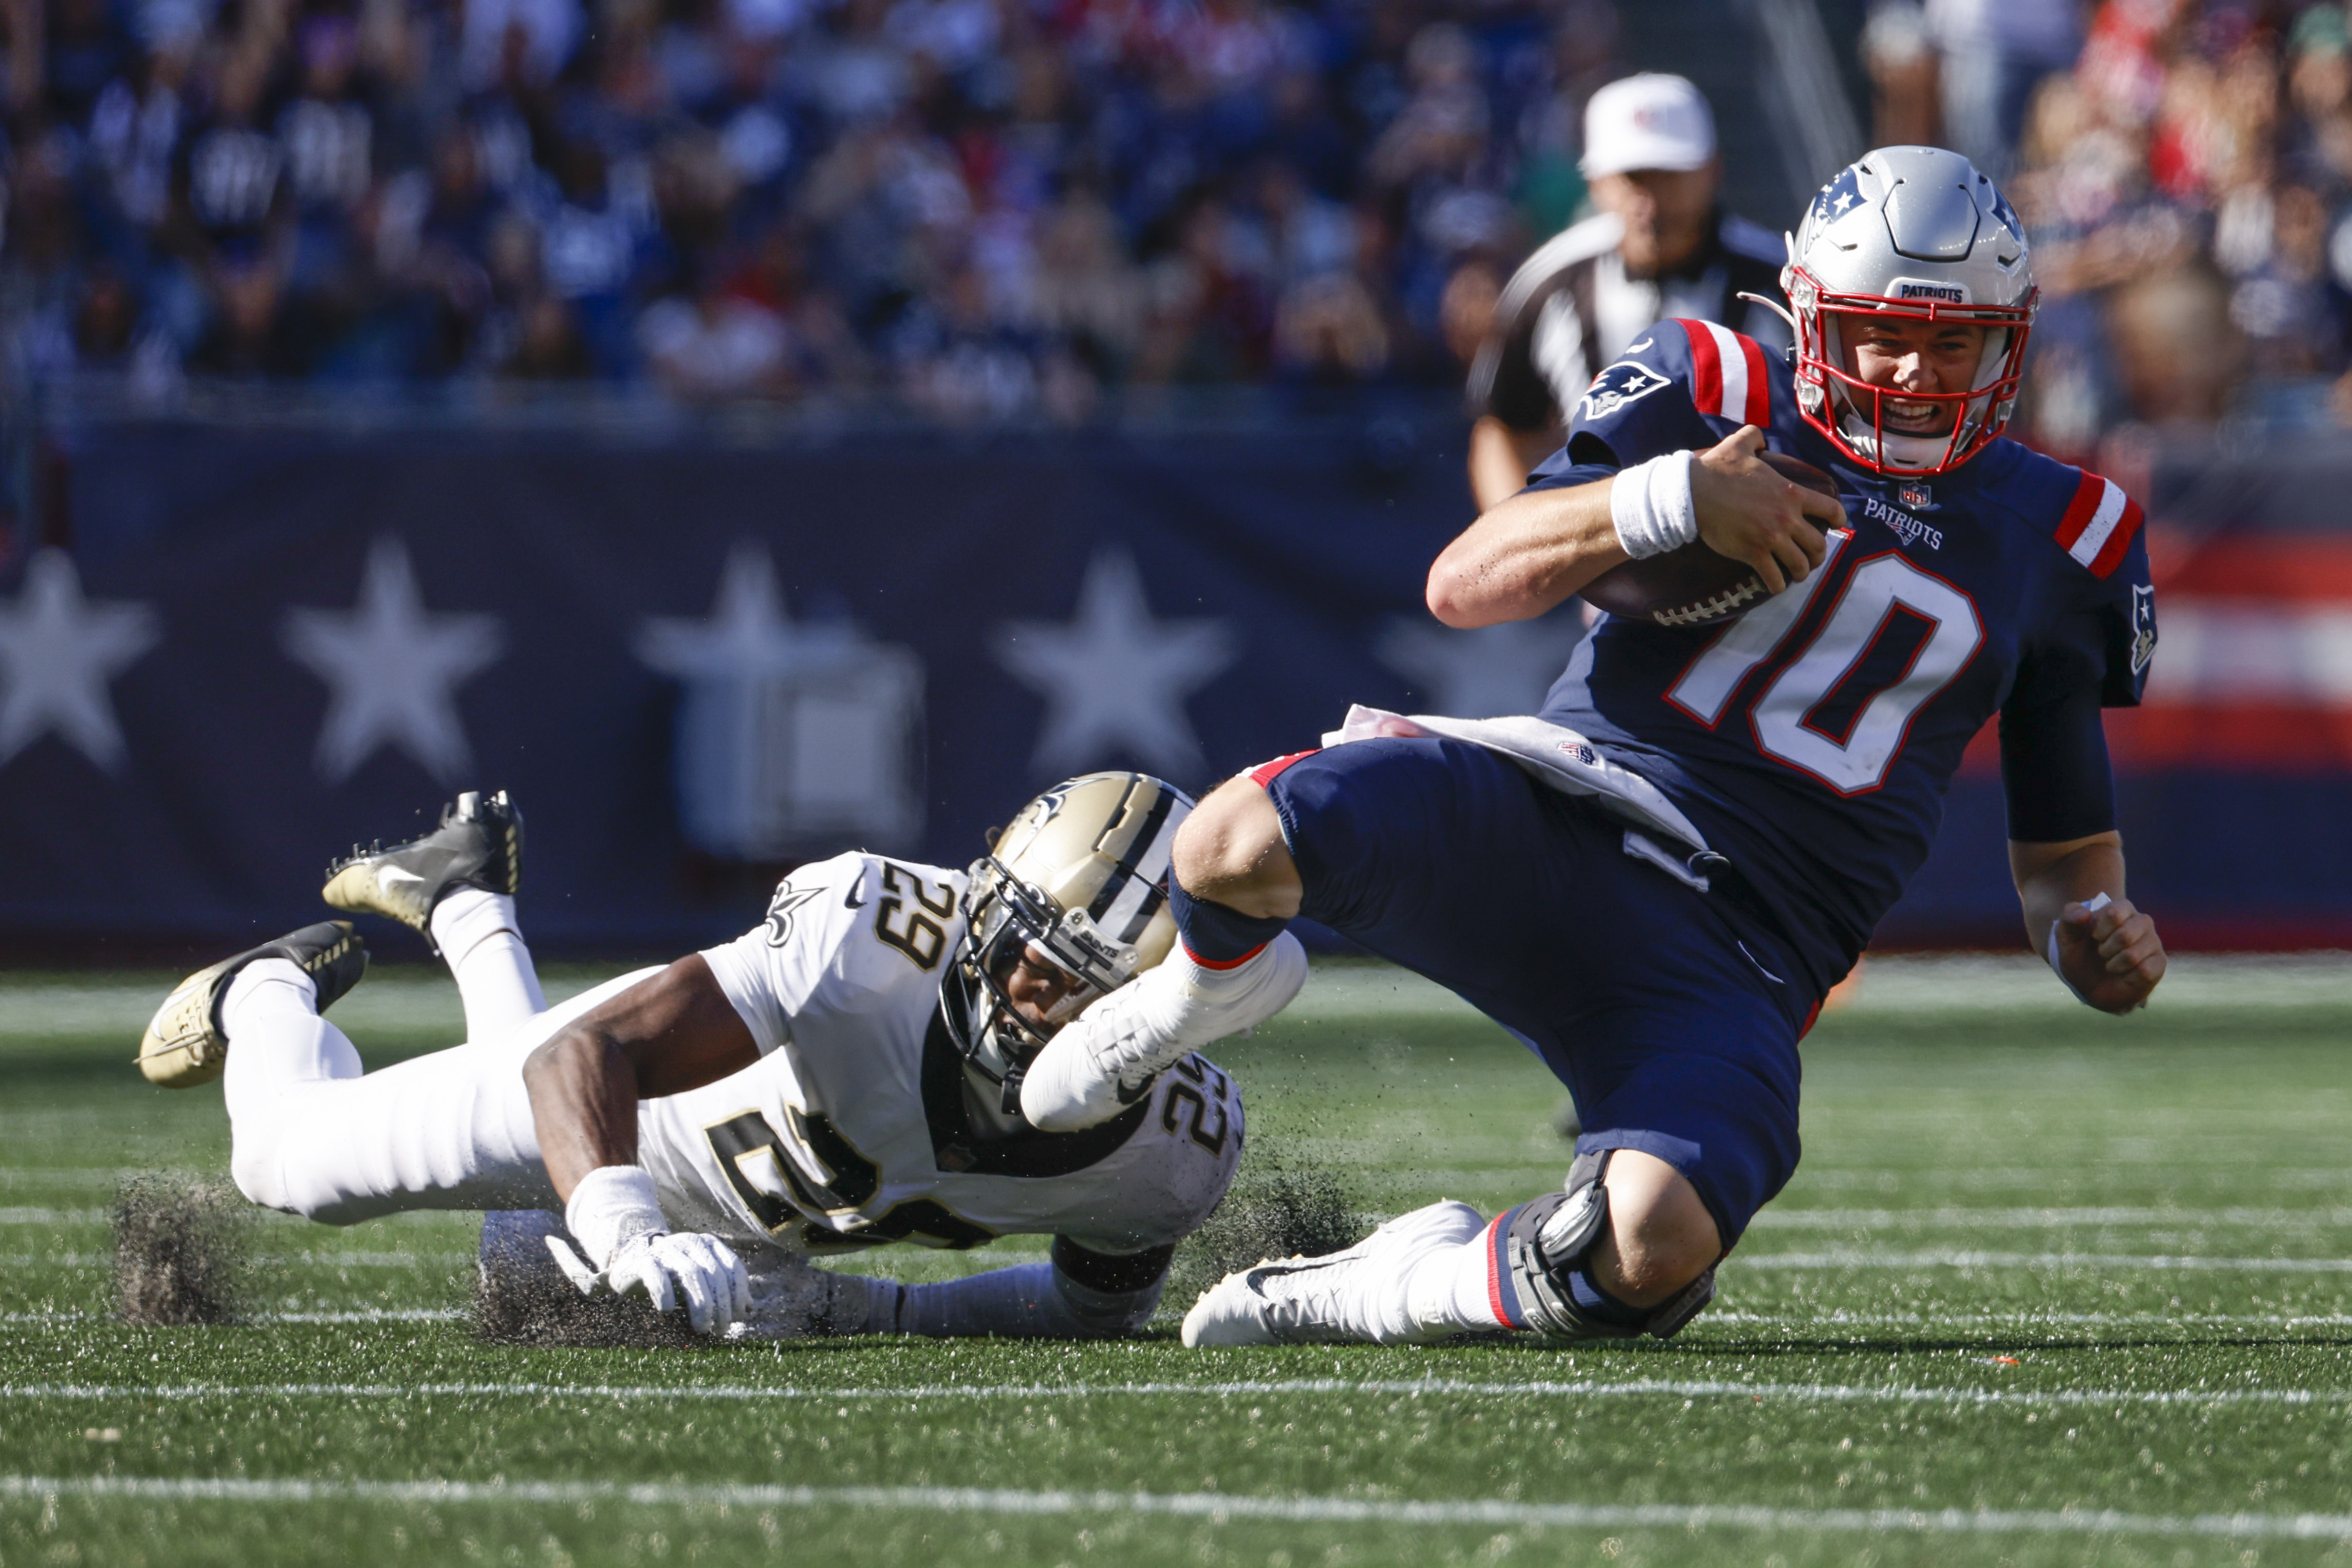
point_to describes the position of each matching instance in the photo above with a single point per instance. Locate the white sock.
(482, 941)
(1454, 1287)
(277, 1041)
(1187, 1000)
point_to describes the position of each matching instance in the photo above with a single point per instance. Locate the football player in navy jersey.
(1654, 882)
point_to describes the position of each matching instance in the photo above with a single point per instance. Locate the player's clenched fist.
(1748, 512)
(2109, 952)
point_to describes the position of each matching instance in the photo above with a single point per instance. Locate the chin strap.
(1774, 306)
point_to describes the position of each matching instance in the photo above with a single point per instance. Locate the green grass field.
(2049, 1288)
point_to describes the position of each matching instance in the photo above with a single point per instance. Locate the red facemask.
(1838, 393)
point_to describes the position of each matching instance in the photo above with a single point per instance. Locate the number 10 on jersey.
(1874, 592)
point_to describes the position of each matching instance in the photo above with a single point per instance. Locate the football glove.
(668, 1270)
(627, 1248)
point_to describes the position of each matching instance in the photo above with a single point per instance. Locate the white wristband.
(611, 1207)
(2094, 903)
(1651, 505)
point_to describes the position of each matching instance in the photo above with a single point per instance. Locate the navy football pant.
(1672, 1015)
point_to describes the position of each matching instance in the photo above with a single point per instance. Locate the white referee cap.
(1648, 122)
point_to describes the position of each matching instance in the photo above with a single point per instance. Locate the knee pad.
(1547, 1240)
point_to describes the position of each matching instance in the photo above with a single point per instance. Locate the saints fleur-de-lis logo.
(779, 911)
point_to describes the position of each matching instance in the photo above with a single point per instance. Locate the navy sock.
(1600, 1304)
(1213, 934)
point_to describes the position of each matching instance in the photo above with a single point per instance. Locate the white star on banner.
(1482, 673)
(1115, 679)
(394, 670)
(57, 652)
(747, 636)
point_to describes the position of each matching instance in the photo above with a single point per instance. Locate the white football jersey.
(854, 1129)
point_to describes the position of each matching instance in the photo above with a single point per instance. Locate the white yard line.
(1215, 1506)
(2031, 1318)
(1956, 1258)
(1662, 1388)
(337, 1315)
(2048, 1219)
(2021, 1319)
(2333, 1217)
(329, 1259)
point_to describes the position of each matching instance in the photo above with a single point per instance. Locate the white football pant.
(314, 1134)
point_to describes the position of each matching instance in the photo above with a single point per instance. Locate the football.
(1694, 586)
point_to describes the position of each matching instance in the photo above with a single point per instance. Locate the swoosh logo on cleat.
(1266, 1270)
(1129, 1096)
(394, 874)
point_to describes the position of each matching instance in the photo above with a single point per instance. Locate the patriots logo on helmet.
(1840, 197)
(2004, 211)
(2143, 613)
(1620, 385)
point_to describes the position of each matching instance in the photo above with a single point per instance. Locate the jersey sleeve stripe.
(1728, 377)
(2088, 492)
(1706, 368)
(1734, 404)
(2105, 520)
(2111, 555)
(1266, 774)
(1759, 385)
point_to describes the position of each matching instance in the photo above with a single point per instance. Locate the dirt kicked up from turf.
(182, 1251)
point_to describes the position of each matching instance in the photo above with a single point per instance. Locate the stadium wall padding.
(1307, 546)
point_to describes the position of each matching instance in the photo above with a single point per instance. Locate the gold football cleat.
(184, 1046)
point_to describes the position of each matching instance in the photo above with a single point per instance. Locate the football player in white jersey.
(845, 1075)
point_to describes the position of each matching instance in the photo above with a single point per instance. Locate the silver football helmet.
(1913, 232)
(1080, 879)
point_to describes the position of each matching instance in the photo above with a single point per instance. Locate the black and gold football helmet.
(1079, 880)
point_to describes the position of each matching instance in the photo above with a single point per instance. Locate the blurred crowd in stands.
(2184, 168)
(990, 206)
(1006, 206)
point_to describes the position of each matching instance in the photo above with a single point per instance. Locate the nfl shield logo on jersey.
(1620, 385)
(1917, 497)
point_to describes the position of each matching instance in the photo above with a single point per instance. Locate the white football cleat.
(1106, 1059)
(1359, 1294)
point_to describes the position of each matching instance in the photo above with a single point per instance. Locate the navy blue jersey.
(1813, 738)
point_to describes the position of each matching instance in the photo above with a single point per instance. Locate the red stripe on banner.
(2240, 736)
(2079, 510)
(1760, 390)
(2245, 737)
(1266, 774)
(2301, 568)
(2111, 553)
(1706, 368)
(1223, 963)
(1982, 759)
